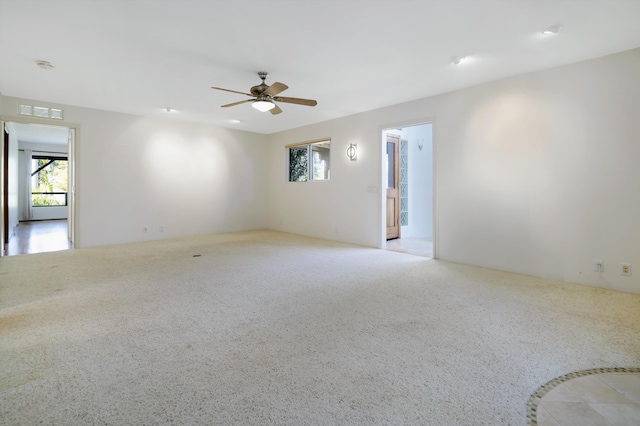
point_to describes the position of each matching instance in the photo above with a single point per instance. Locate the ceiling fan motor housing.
(259, 89)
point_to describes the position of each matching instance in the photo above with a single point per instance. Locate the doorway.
(38, 213)
(413, 164)
(393, 187)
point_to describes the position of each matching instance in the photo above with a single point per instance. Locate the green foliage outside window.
(298, 164)
(50, 180)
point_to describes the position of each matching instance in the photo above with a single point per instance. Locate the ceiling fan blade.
(276, 88)
(232, 91)
(275, 110)
(237, 103)
(307, 102)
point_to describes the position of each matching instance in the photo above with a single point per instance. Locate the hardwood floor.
(38, 237)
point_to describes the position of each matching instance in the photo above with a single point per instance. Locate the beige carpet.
(270, 328)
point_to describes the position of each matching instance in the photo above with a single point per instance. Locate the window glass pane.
(56, 113)
(404, 182)
(48, 200)
(391, 164)
(41, 111)
(321, 161)
(49, 181)
(26, 110)
(298, 164)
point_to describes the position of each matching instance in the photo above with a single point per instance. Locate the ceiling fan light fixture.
(262, 105)
(263, 97)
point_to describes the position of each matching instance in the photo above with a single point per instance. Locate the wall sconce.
(352, 151)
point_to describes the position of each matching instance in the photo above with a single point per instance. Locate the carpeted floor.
(262, 328)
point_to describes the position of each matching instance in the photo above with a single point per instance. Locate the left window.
(49, 181)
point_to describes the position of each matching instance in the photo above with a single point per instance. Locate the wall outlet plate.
(625, 269)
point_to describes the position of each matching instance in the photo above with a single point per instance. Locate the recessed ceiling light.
(457, 60)
(168, 109)
(234, 121)
(45, 65)
(554, 29)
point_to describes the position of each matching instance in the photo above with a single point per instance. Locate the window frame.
(53, 157)
(308, 145)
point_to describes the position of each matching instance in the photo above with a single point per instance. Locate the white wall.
(44, 147)
(49, 213)
(342, 208)
(534, 174)
(135, 172)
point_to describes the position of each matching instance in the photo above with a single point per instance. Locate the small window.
(43, 112)
(309, 161)
(40, 111)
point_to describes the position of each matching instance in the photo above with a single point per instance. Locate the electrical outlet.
(598, 265)
(625, 269)
(161, 228)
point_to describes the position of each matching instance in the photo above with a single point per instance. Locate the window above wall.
(309, 161)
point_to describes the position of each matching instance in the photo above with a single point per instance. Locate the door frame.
(395, 191)
(382, 199)
(5, 232)
(74, 128)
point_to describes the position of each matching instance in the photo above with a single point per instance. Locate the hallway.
(38, 237)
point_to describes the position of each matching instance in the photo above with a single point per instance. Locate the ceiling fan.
(264, 96)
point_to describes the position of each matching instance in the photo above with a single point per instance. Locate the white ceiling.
(141, 56)
(36, 133)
